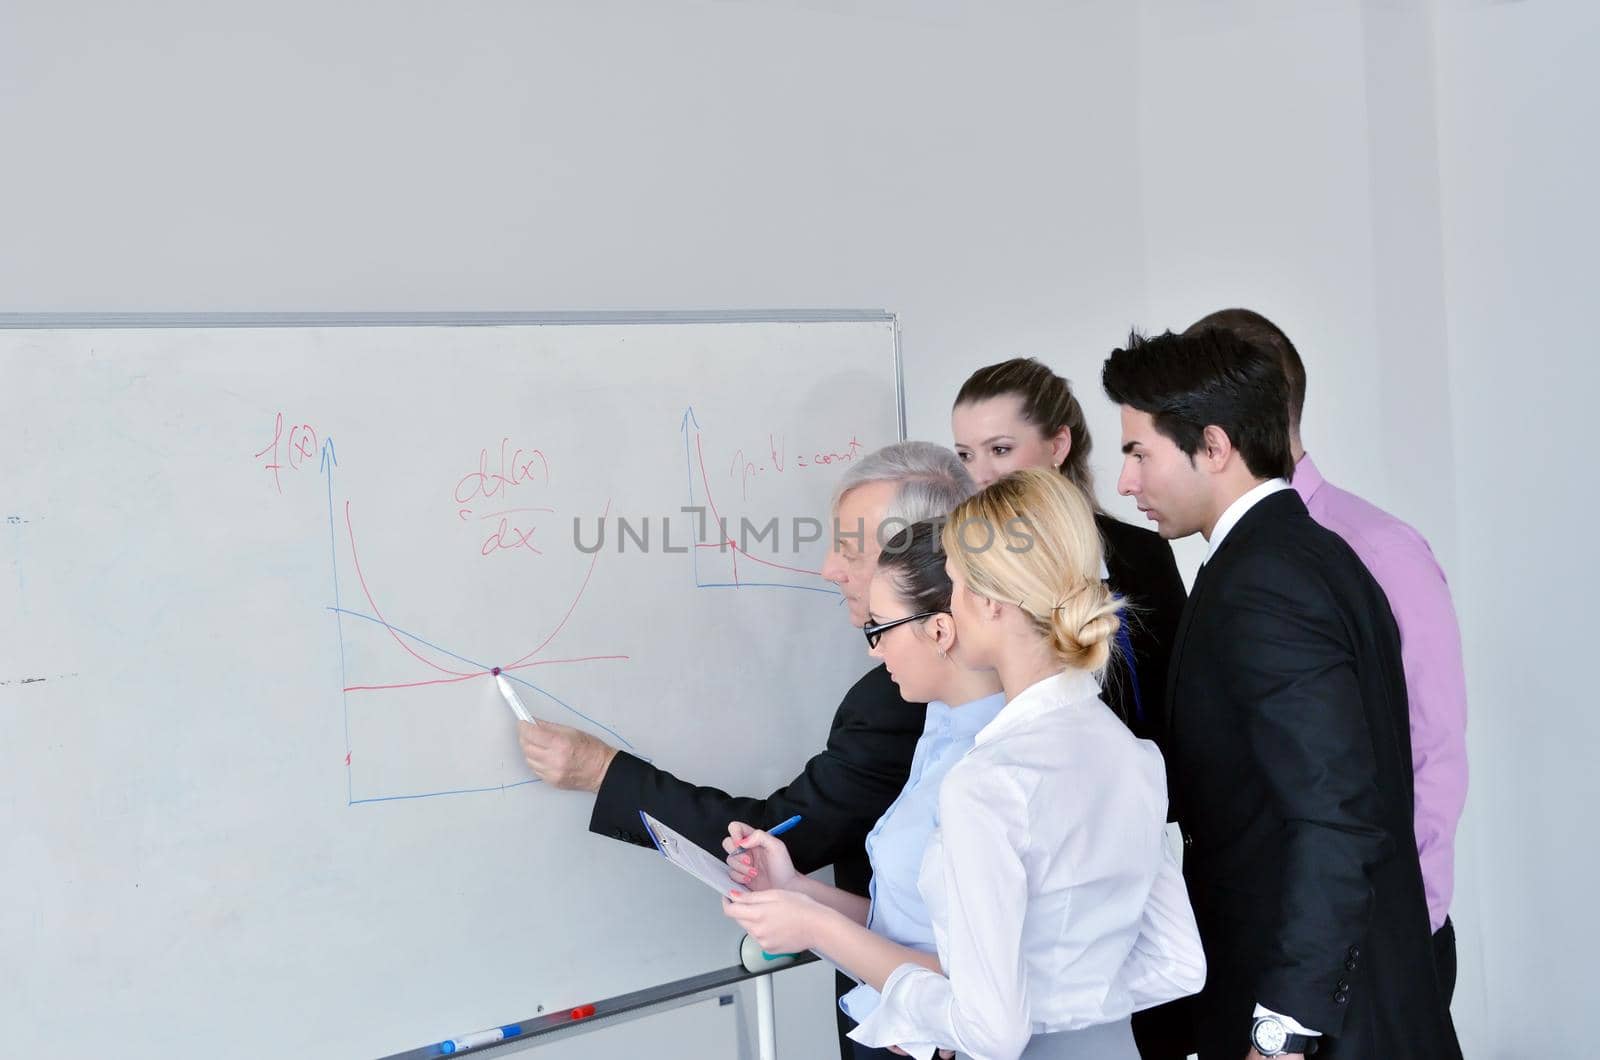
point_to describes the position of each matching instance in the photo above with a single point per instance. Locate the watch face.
(1269, 1036)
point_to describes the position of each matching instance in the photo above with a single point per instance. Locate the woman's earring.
(943, 654)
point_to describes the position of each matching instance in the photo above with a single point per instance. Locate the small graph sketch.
(757, 573)
(443, 664)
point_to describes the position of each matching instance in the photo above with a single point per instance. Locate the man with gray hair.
(844, 788)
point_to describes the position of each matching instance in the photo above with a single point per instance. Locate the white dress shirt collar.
(1068, 686)
(1235, 511)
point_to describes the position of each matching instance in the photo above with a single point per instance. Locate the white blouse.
(1055, 902)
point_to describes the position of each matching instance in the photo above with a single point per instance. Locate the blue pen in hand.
(775, 830)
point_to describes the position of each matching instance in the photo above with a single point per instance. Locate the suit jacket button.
(1355, 951)
(1350, 965)
(1342, 987)
(1341, 996)
(1188, 840)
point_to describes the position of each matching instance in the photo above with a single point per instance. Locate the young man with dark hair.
(1403, 565)
(1289, 756)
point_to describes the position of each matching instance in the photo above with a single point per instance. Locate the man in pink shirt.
(1403, 565)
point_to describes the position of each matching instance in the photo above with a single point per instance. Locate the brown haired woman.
(1019, 414)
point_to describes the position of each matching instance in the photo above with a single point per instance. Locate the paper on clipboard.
(691, 857)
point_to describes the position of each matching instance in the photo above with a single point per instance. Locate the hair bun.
(1083, 625)
(1049, 567)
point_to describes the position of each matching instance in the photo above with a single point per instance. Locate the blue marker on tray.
(464, 1042)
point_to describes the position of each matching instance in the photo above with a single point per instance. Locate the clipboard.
(691, 857)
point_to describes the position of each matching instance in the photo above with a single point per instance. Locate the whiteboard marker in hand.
(512, 699)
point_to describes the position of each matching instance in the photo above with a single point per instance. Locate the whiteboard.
(257, 795)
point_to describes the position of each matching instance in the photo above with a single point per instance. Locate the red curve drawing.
(455, 676)
(728, 542)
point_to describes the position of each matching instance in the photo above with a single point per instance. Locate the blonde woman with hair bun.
(1045, 561)
(1057, 909)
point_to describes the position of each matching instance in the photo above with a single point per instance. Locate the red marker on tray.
(583, 1012)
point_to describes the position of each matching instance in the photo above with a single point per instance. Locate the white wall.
(1519, 100)
(1253, 148)
(1404, 188)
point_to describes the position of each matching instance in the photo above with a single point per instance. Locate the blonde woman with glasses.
(1056, 908)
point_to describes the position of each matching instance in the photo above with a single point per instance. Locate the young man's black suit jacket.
(1289, 758)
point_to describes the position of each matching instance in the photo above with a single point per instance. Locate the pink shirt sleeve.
(1430, 646)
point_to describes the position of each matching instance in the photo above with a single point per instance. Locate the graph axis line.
(329, 461)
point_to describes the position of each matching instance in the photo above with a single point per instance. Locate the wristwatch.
(1272, 1038)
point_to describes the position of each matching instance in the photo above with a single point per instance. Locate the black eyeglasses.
(874, 633)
